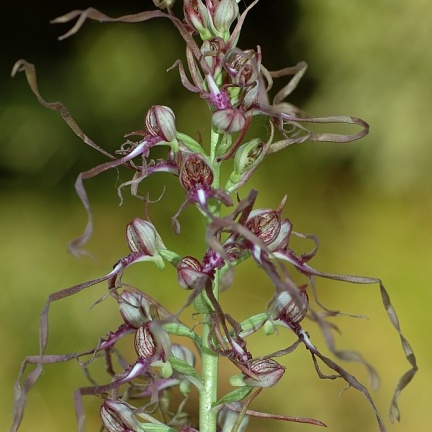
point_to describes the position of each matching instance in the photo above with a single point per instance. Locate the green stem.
(210, 362)
(210, 359)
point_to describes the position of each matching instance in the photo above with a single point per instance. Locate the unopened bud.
(160, 122)
(134, 308)
(152, 342)
(224, 15)
(197, 16)
(143, 238)
(190, 275)
(286, 308)
(229, 120)
(117, 417)
(268, 372)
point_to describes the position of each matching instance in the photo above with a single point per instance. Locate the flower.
(152, 342)
(160, 122)
(144, 243)
(118, 417)
(289, 310)
(196, 177)
(190, 274)
(134, 308)
(267, 373)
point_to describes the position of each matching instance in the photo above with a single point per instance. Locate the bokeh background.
(369, 202)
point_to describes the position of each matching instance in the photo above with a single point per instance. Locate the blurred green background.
(368, 201)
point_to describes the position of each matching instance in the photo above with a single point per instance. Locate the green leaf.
(234, 396)
(253, 324)
(237, 380)
(190, 143)
(202, 304)
(155, 427)
(178, 329)
(170, 256)
(187, 371)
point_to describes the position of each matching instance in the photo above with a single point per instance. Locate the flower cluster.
(236, 86)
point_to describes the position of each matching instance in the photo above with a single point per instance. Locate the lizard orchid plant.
(236, 86)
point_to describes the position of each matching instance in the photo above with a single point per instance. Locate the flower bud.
(229, 120)
(117, 417)
(195, 172)
(268, 372)
(152, 342)
(197, 16)
(143, 238)
(134, 308)
(287, 309)
(160, 122)
(190, 275)
(265, 224)
(224, 15)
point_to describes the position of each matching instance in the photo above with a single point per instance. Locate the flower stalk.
(210, 369)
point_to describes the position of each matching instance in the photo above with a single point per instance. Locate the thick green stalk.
(210, 362)
(210, 359)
